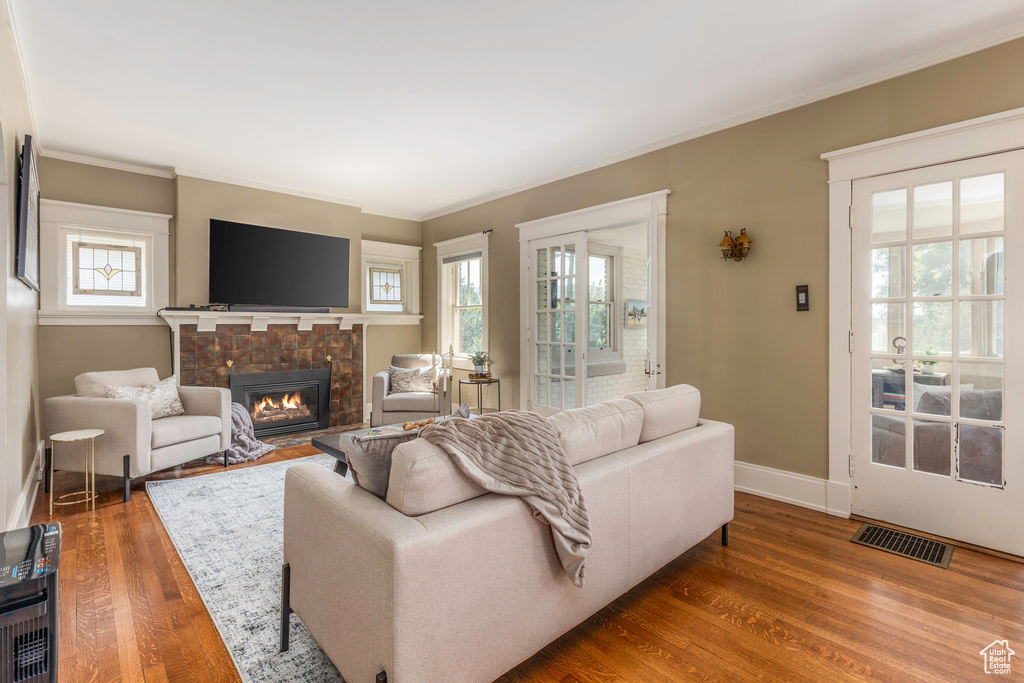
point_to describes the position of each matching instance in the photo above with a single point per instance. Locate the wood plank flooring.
(790, 599)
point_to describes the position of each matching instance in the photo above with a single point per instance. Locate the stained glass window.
(107, 269)
(386, 285)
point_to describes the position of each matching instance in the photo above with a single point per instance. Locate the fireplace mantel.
(207, 321)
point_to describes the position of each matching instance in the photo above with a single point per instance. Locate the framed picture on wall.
(636, 313)
(26, 239)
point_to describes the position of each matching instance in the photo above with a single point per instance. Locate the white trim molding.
(21, 514)
(467, 244)
(787, 487)
(107, 163)
(647, 210)
(58, 219)
(993, 134)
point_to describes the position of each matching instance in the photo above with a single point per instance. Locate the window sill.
(607, 367)
(99, 318)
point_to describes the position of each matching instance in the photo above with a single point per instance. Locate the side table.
(480, 383)
(87, 437)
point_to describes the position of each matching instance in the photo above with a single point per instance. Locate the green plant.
(930, 351)
(479, 358)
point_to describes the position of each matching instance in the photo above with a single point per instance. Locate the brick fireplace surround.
(203, 358)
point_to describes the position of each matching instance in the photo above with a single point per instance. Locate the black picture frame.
(26, 239)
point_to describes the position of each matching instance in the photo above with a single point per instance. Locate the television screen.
(259, 266)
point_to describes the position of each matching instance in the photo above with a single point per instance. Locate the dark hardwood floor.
(790, 599)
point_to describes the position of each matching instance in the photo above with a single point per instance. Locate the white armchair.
(391, 408)
(134, 444)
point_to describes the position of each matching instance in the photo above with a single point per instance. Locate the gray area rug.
(228, 529)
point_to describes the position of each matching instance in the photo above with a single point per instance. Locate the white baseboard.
(838, 498)
(788, 487)
(22, 514)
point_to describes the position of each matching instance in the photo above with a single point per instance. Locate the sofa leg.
(48, 468)
(127, 478)
(286, 606)
(725, 534)
(382, 677)
(225, 458)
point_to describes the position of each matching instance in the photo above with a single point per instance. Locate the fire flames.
(288, 407)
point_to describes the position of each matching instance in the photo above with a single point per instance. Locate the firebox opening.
(281, 402)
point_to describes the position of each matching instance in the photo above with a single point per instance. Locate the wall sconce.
(736, 249)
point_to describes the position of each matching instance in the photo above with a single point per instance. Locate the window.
(391, 277)
(384, 288)
(102, 266)
(463, 275)
(111, 272)
(602, 303)
(462, 296)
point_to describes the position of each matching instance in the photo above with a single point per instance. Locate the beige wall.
(19, 363)
(732, 328)
(70, 350)
(200, 200)
(67, 351)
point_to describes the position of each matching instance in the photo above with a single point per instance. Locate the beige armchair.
(134, 444)
(391, 408)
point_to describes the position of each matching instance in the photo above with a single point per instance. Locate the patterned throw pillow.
(369, 454)
(162, 397)
(411, 379)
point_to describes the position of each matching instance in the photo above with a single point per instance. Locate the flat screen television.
(258, 266)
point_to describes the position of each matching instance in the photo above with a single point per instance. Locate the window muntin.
(106, 270)
(385, 288)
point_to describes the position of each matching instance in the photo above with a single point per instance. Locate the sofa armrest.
(209, 401)
(341, 541)
(127, 427)
(381, 387)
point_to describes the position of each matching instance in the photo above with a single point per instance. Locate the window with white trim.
(391, 277)
(462, 296)
(101, 265)
(604, 305)
(463, 303)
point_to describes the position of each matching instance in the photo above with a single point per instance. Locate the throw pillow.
(411, 379)
(162, 397)
(369, 454)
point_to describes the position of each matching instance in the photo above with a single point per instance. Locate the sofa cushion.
(424, 479)
(667, 411)
(95, 383)
(181, 428)
(369, 453)
(411, 402)
(588, 433)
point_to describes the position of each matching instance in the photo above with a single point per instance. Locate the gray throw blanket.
(244, 444)
(517, 453)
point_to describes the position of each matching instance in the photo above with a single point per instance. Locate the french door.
(938, 350)
(559, 322)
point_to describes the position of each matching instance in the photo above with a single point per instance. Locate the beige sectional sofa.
(445, 582)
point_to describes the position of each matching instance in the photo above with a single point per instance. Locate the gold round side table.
(88, 438)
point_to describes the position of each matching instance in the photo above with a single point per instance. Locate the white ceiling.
(412, 107)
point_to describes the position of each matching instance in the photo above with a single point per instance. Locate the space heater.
(28, 604)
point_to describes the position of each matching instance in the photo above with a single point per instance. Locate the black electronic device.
(28, 603)
(258, 266)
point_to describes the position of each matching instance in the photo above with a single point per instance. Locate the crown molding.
(909, 65)
(12, 22)
(107, 163)
(295, 192)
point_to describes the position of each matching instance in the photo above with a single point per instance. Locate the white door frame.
(650, 210)
(1002, 132)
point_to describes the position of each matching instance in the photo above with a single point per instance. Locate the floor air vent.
(917, 548)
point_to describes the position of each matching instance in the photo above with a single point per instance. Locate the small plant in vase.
(481, 361)
(928, 366)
